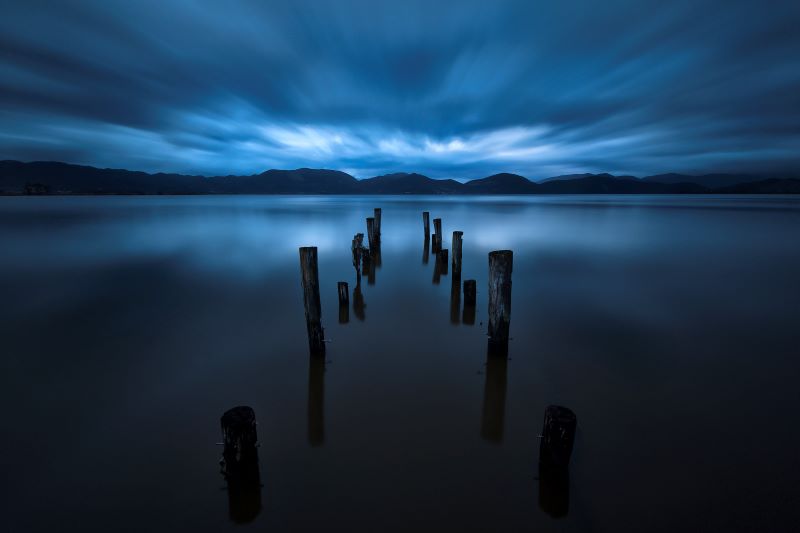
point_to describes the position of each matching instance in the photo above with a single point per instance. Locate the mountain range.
(46, 177)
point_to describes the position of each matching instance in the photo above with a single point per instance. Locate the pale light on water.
(668, 324)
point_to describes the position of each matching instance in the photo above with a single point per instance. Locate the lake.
(669, 325)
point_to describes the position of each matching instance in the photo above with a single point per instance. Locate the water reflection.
(494, 398)
(426, 246)
(554, 490)
(469, 302)
(316, 401)
(358, 302)
(455, 301)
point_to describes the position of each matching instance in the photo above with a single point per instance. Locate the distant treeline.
(39, 178)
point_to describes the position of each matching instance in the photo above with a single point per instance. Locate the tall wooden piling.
(426, 222)
(378, 224)
(310, 280)
(457, 257)
(500, 266)
(468, 316)
(344, 302)
(437, 227)
(372, 239)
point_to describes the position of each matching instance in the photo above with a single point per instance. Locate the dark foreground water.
(670, 325)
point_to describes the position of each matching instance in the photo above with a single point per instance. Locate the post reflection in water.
(554, 490)
(426, 247)
(494, 398)
(455, 301)
(358, 302)
(316, 401)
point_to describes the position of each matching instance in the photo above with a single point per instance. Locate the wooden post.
(426, 222)
(469, 302)
(555, 449)
(457, 257)
(437, 227)
(500, 266)
(310, 279)
(442, 257)
(344, 302)
(373, 241)
(240, 463)
(378, 224)
(316, 401)
(436, 243)
(558, 436)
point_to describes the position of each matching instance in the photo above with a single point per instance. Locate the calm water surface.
(668, 324)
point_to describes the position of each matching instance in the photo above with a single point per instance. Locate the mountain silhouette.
(44, 177)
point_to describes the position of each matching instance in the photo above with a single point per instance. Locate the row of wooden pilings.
(240, 459)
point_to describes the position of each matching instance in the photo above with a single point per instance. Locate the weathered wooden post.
(494, 399)
(426, 222)
(437, 235)
(310, 280)
(470, 287)
(442, 257)
(358, 254)
(373, 241)
(558, 436)
(240, 463)
(555, 450)
(344, 302)
(316, 401)
(500, 266)
(378, 225)
(457, 257)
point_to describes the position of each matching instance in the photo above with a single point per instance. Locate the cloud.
(449, 88)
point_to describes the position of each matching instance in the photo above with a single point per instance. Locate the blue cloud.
(452, 89)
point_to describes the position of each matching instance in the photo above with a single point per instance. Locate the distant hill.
(712, 181)
(568, 177)
(403, 183)
(61, 178)
(503, 183)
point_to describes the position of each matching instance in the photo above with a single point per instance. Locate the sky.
(451, 89)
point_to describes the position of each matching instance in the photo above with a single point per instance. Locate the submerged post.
(457, 256)
(240, 463)
(555, 449)
(558, 436)
(426, 222)
(371, 239)
(378, 224)
(310, 278)
(470, 289)
(500, 265)
(344, 302)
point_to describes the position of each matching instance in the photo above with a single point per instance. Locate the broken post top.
(238, 417)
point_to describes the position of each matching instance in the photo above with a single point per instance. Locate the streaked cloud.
(455, 89)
